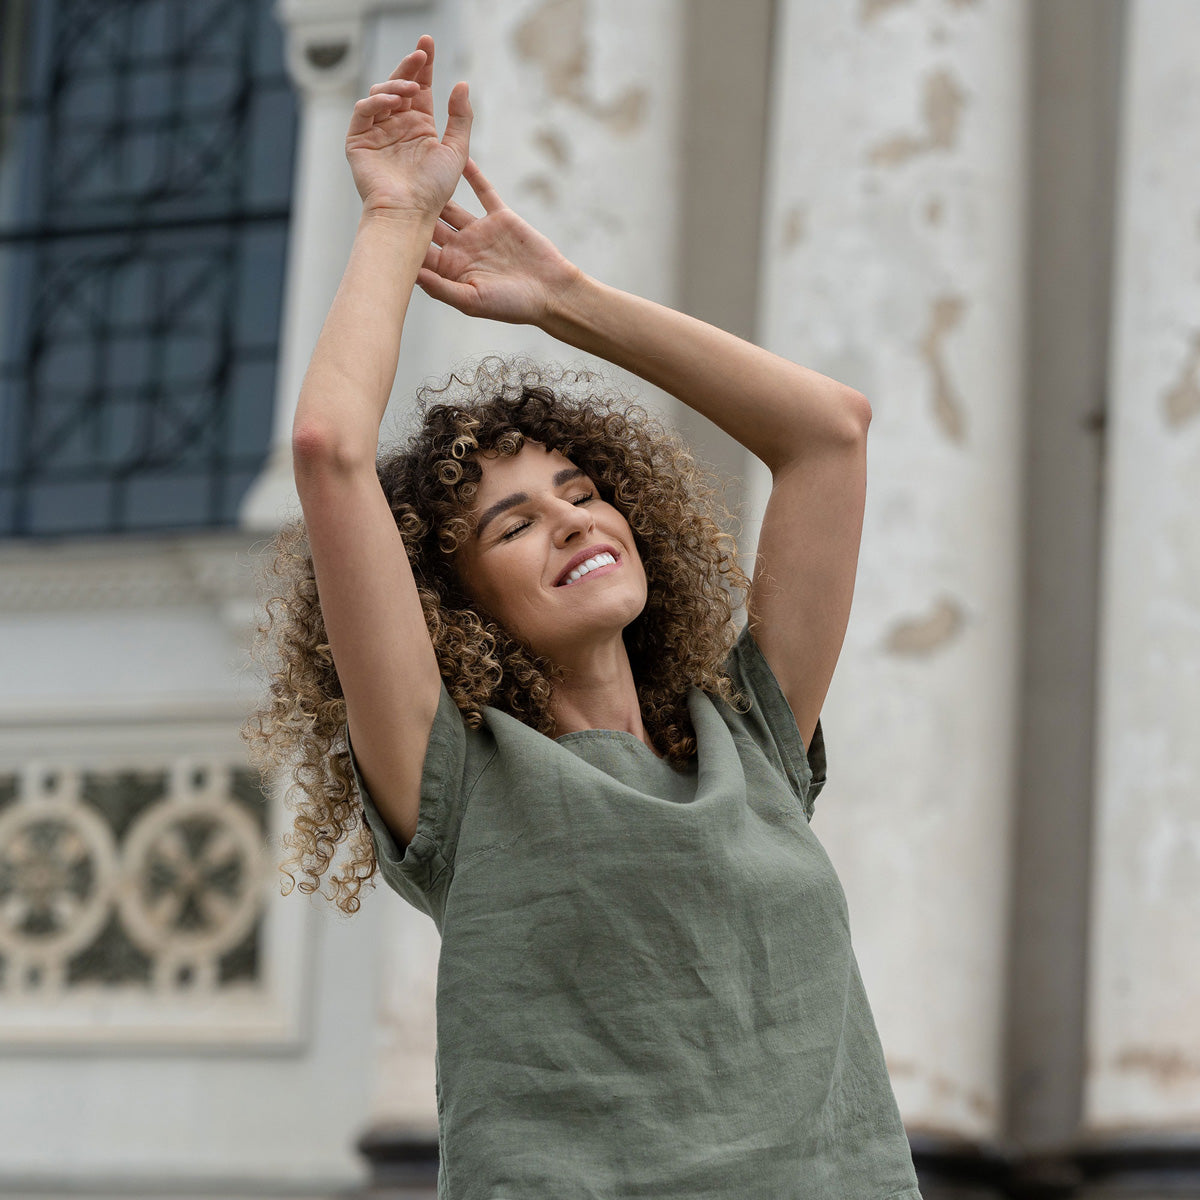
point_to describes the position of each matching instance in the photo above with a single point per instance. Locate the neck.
(598, 692)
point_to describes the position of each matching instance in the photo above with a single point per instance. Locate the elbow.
(314, 445)
(860, 414)
(848, 419)
(842, 426)
(309, 442)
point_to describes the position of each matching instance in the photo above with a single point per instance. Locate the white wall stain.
(541, 186)
(871, 9)
(554, 37)
(795, 222)
(947, 1091)
(924, 634)
(1164, 1065)
(554, 146)
(943, 101)
(1182, 402)
(946, 315)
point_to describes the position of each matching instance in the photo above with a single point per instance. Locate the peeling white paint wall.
(892, 261)
(1143, 1034)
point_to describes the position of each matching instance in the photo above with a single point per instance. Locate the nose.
(573, 520)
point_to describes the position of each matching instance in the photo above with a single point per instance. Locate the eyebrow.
(561, 477)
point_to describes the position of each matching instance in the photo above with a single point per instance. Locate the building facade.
(982, 214)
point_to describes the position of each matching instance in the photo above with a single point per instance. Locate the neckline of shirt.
(605, 734)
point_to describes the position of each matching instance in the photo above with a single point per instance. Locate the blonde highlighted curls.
(680, 640)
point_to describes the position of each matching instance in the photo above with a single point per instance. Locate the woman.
(509, 647)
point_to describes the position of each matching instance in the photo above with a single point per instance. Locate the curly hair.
(673, 506)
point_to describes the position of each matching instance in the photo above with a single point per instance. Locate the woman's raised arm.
(809, 429)
(404, 175)
(372, 613)
(499, 266)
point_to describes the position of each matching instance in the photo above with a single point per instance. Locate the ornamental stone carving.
(145, 879)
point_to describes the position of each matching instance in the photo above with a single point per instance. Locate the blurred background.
(983, 214)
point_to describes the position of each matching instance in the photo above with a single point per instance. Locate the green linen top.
(646, 986)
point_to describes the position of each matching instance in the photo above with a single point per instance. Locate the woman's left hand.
(497, 265)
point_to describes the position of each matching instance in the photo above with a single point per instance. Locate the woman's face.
(537, 516)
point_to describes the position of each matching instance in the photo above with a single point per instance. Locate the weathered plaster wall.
(1143, 1035)
(892, 261)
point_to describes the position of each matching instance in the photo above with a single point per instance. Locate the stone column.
(325, 58)
(1142, 1092)
(892, 261)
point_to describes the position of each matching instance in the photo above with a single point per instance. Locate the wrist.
(566, 301)
(389, 212)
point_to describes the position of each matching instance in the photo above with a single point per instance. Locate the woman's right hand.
(392, 143)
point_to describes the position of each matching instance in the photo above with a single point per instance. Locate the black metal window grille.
(145, 189)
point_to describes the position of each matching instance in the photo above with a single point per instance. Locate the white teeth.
(600, 560)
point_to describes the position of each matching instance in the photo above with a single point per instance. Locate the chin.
(612, 617)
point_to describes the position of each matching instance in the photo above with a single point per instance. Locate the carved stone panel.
(134, 898)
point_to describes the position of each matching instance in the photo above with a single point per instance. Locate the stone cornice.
(207, 569)
(324, 42)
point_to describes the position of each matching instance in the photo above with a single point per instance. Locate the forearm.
(775, 408)
(345, 391)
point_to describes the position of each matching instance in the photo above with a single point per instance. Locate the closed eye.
(517, 528)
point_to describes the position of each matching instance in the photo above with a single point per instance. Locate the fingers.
(456, 216)
(457, 295)
(431, 281)
(424, 75)
(488, 196)
(372, 108)
(410, 64)
(418, 66)
(451, 219)
(398, 87)
(458, 120)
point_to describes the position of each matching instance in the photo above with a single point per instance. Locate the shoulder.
(764, 717)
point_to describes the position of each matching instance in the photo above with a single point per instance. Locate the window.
(145, 180)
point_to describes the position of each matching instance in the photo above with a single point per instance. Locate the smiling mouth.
(601, 564)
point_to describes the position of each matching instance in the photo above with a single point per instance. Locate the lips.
(583, 556)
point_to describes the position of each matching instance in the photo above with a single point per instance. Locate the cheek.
(501, 585)
(476, 585)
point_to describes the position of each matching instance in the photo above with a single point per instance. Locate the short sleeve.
(421, 871)
(772, 724)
